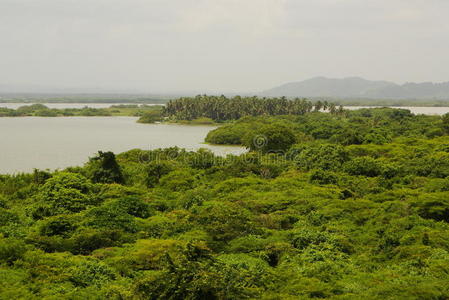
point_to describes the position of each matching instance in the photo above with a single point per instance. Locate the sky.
(169, 46)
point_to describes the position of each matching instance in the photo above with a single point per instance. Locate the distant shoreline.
(143, 100)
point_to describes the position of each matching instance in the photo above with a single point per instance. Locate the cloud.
(239, 45)
(246, 17)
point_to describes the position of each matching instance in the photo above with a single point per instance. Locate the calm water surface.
(37, 142)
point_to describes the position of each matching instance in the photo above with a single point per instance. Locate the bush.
(226, 135)
(270, 138)
(133, 206)
(86, 240)
(92, 273)
(325, 157)
(63, 193)
(224, 221)
(433, 206)
(323, 177)
(58, 225)
(103, 168)
(110, 216)
(179, 180)
(150, 117)
(11, 249)
(366, 166)
(156, 169)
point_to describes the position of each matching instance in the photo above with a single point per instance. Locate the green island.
(335, 205)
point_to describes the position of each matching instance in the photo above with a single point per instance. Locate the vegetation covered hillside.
(363, 126)
(352, 206)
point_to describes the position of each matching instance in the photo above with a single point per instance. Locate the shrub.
(366, 166)
(325, 157)
(270, 138)
(156, 169)
(11, 249)
(63, 193)
(323, 177)
(103, 168)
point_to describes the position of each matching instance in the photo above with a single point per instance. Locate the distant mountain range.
(356, 87)
(319, 87)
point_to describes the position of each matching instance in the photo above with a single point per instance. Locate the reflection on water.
(37, 142)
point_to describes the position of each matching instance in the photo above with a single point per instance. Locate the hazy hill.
(360, 88)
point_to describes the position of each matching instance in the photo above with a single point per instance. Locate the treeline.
(40, 110)
(221, 108)
(363, 126)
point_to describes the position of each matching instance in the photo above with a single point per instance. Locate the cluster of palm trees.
(221, 108)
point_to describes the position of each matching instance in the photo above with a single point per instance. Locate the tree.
(366, 166)
(433, 206)
(270, 138)
(445, 120)
(63, 193)
(156, 169)
(105, 169)
(325, 156)
(11, 249)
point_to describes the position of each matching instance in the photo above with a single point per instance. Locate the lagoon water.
(51, 143)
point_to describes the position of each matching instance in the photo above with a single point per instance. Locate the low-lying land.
(40, 110)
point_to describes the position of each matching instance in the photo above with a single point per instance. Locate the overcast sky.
(219, 45)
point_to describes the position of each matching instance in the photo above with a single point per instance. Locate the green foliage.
(148, 113)
(323, 177)
(133, 206)
(366, 166)
(151, 117)
(434, 206)
(11, 249)
(225, 135)
(63, 193)
(59, 225)
(445, 122)
(92, 273)
(105, 169)
(110, 216)
(366, 126)
(156, 169)
(178, 180)
(325, 157)
(270, 139)
(224, 221)
(356, 209)
(222, 108)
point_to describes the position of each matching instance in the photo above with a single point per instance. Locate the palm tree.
(221, 108)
